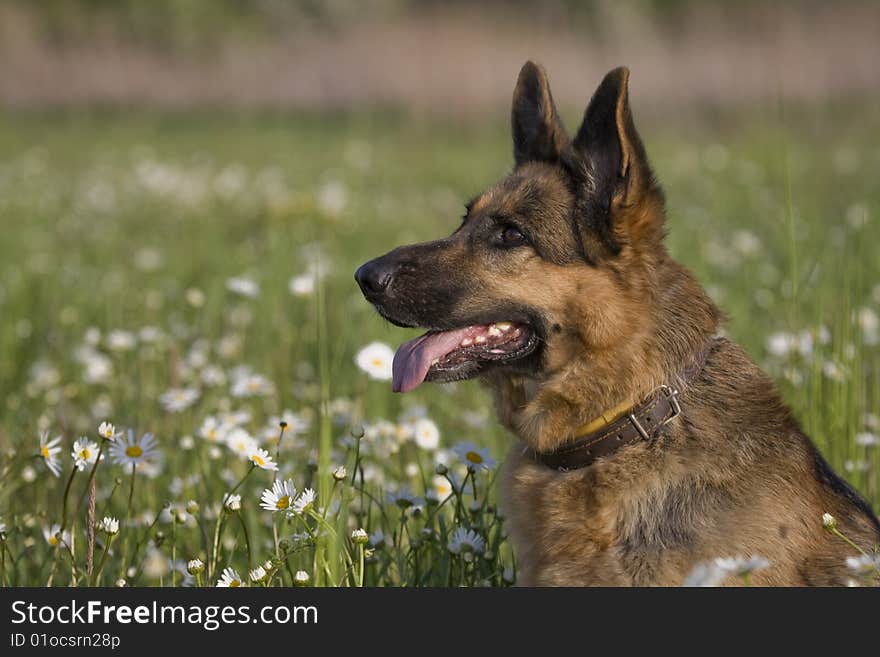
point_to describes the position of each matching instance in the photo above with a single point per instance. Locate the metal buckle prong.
(671, 395)
(638, 426)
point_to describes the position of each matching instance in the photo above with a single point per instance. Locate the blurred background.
(187, 186)
(443, 58)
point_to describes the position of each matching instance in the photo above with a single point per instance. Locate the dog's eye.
(511, 236)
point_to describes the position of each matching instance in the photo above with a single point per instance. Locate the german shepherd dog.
(647, 445)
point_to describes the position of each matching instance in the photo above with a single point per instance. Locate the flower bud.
(828, 521)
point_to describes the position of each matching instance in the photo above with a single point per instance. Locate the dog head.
(554, 262)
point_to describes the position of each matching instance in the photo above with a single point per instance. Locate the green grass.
(120, 221)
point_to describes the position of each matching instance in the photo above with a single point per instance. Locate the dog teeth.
(494, 331)
(436, 361)
(503, 326)
(480, 339)
(467, 342)
(496, 351)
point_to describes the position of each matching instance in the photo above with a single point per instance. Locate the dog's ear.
(616, 181)
(538, 134)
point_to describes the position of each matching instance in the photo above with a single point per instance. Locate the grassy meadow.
(190, 277)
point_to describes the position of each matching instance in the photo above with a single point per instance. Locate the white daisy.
(473, 456)
(781, 344)
(305, 502)
(246, 287)
(85, 453)
(241, 442)
(426, 433)
(301, 578)
(258, 574)
(297, 423)
(135, 452)
(741, 566)
(262, 459)
(49, 450)
(252, 385)
(108, 431)
(375, 359)
(715, 572)
(55, 537)
(213, 430)
(864, 564)
(178, 399)
(230, 579)
(867, 439)
(466, 540)
(302, 286)
(403, 498)
(233, 502)
(213, 375)
(109, 525)
(440, 488)
(234, 418)
(119, 340)
(279, 497)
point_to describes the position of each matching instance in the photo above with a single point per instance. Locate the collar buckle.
(671, 395)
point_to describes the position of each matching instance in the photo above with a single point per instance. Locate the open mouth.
(440, 356)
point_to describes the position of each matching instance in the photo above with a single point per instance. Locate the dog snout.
(374, 277)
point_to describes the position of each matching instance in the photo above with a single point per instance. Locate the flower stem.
(247, 539)
(91, 476)
(64, 502)
(173, 550)
(216, 546)
(97, 576)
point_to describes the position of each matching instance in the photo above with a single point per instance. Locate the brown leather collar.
(644, 421)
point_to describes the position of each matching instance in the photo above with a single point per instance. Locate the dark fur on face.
(566, 255)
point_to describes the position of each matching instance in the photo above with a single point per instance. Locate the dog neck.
(548, 410)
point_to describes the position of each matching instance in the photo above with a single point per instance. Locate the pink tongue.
(413, 359)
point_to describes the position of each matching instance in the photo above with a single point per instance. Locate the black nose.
(374, 277)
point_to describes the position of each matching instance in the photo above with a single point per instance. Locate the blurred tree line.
(196, 23)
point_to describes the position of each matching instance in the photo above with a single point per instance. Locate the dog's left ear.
(617, 178)
(538, 134)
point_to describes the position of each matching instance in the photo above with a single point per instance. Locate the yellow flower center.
(234, 584)
(134, 451)
(44, 451)
(378, 362)
(283, 502)
(85, 454)
(256, 458)
(474, 457)
(53, 540)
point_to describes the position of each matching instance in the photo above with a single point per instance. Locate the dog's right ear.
(538, 134)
